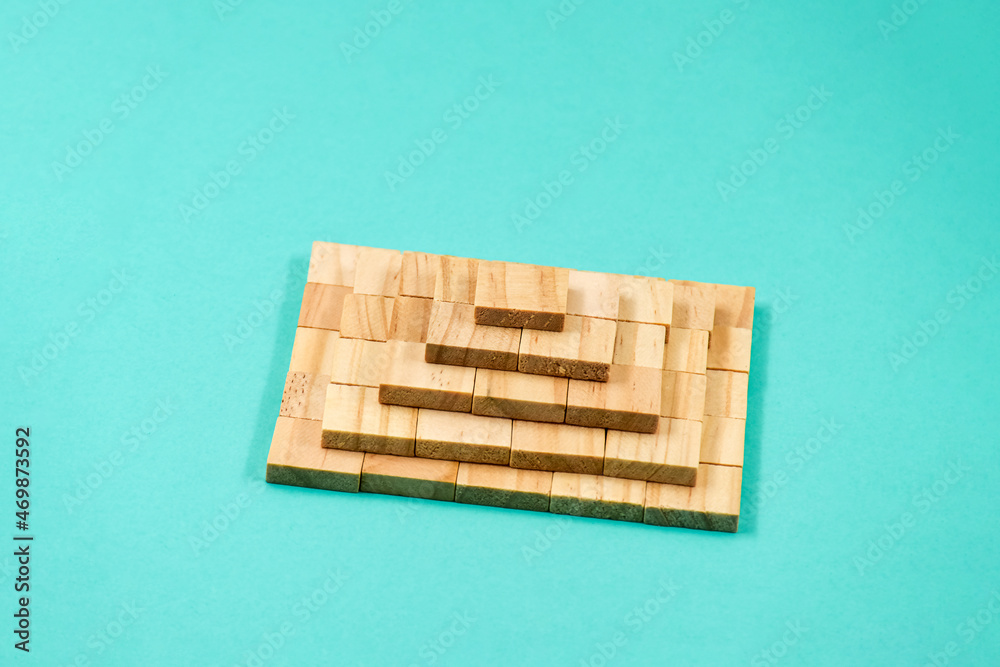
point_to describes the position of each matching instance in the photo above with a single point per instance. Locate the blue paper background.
(421, 583)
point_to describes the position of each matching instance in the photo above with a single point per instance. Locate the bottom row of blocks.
(297, 459)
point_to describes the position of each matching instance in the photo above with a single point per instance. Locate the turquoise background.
(859, 542)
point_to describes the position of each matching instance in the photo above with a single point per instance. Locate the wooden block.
(686, 351)
(419, 274)
(333, 263)
(312, 351)
(410, 317)
(713, 503)
(597, 497)
(726, 394)
(358, 362)
(453, 337)
(638, 344)
(409, 380)
(628, 401)
(591, 294)
(669, 456)
(455, 436)
(694, 305)
(322, 305)
(583, 350)
(647, 300)
(734, 306)
(456, 280)
(377, 272)
(355, 420)
(682, 395)
(516, 395)
(521, 295)
(722, 441)
(406, 476)
(366, 316)
(304, 396)
(729, 349)
(297, 459)
(557, 447)
(502, 486)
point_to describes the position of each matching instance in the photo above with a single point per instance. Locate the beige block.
(734, 306)
(453, 337)
(521, 295)
(682, 395)
(455, 436)
(597, 497)
(411, 381)
(686, 351)
(322, 305)
(377, 272)
(304, 396)
(516, 395)
(419, 273)
(591, 294)
(669, 456)
(358, 362)
(713, 503)
(694, 305)
(583, 350)
(410, 317)
(366, 316)
(722, 441)
(557, 447)
(355, 420)
(297, 459)
(638, 344)
(647, 300)
(502, 486)
(312, 351)
(456, 280)
(333, 263)
(628, 401)
(729, 349)
(726, 394)
(407, 476)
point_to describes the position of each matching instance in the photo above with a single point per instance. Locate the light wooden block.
(304, 396)
(455, 436)
(638, 344)
(313, 350)
(297, 459)
(429, 479)
(539, 398)
(419, 273)
(682, 395)
(521, 295)
(366, 316)
(583, 350)
(591, 294)
(456, 280)
(722, 441)
(669, 456)
(502, 486)
(713, 503)
(597, 497)
(333, 263)
(694, 305)
(729, 349)
(647, 300)
(628, 401)
(377, 272)
(686, 351)
(726, 394)
(557, 447)
(734, 306)
(322, 306)
(355, 420)
(411, 381)
(453, 337)
(410, 317)
(358, 362)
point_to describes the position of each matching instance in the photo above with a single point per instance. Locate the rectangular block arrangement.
(397, 386)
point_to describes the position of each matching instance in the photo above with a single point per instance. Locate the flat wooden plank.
(322, 306)
(694, 305)
(639, 344)
(729, 349)
(429, 479)
(516, 395)
(557, 447)
(411, 381)
(358, 362)
(597, 497)
(304, 396)
(726, 394)
(419, 273)
(377, 272)
(355, 420)
(628, 401)
(521, 295)
(722, 441)
(455, 436)
(411, 316)
(502, 486)
(313, 350)
(454, 338)
(592, 294)
(333, 263)
(366, 316)
(297, 459)
(669, 456)
(686, 351)
(583, 350)
(646, 299)
(713, 503)
(456, 280)
(734, 306)
(682, 395)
